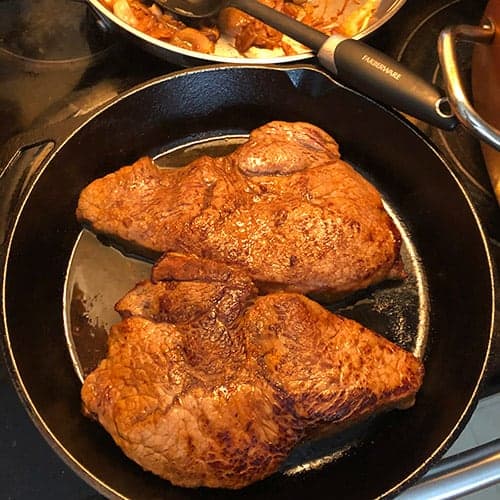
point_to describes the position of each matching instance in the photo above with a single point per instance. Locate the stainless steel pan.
(188, 58)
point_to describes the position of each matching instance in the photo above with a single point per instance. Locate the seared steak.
(208, 384)
(283, 206)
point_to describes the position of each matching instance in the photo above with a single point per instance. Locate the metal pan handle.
(457, 97)
(459, 474)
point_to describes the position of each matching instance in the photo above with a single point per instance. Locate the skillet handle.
(459, 102)
(15, 178)
(381, 77)
(21, 159)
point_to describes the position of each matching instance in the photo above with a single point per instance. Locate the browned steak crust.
(283, 206)
(208, 384)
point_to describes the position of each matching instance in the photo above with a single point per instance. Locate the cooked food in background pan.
(208, 384)
(283, 206)
(235, 33)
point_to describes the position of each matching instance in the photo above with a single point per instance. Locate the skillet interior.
(224, 101)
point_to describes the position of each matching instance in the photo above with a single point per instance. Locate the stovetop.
(54, 68)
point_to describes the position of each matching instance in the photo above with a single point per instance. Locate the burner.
(56, 31)
(48, 50)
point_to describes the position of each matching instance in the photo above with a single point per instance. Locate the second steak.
(283, 206)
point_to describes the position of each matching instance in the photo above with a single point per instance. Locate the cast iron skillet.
(445, 313)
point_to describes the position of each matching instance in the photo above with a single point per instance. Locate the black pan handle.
(22, 157)
(363, 68)
(16, 176)
(379, 76)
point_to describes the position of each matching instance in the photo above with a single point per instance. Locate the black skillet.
(444, 311)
